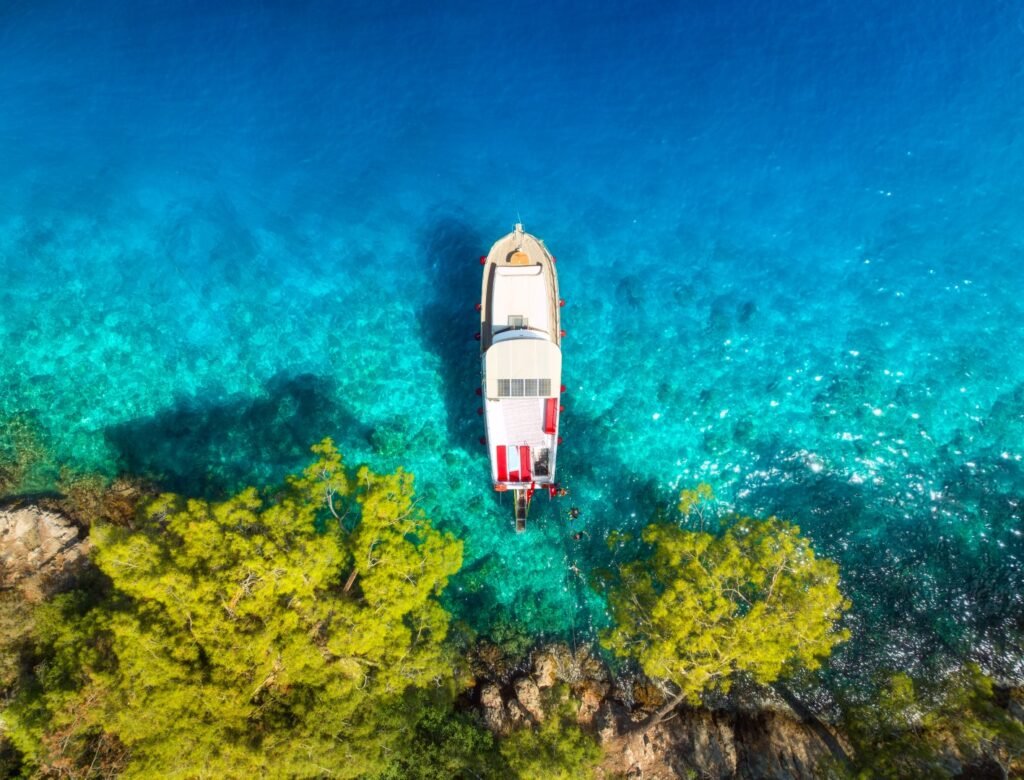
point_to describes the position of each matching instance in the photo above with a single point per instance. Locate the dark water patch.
(935, 576)
(627, 501)
(475, 596)
(1006, 418)
(449, 247)
(207, 241)
(629, 292)
(746, 311)
(211, 448)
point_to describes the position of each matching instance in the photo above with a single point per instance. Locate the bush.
(555, 749)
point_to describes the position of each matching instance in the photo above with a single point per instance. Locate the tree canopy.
(556, 748)
(753, 599)
(297, 632)
(910, 729)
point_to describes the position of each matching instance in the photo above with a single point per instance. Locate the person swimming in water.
(574, 513)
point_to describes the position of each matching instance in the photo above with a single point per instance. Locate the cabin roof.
(523, 359)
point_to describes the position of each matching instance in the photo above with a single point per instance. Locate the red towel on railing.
(502, 463)
(550, 415)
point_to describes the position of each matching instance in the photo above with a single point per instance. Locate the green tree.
(932, 729)
(555, 749)
(702, 608)
(250, 636)
(693, 502)
(446, 745)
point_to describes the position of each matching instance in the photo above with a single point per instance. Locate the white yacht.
(521, 366)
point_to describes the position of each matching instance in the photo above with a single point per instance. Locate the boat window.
(518, 321)
(524, 388)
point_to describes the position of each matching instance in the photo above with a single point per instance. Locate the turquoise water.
(790, 237)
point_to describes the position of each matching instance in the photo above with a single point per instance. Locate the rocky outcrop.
(712, 744)
(528, 695)
(493, 709)
(753, 733)
(41, 551)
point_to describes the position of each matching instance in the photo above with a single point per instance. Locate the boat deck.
(518, 421)
(530, 289)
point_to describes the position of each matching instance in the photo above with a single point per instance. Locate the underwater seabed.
(153, 344)
(788, 234)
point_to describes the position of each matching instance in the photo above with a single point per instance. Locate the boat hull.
(521, 365)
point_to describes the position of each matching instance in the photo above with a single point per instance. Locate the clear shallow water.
(790, 235)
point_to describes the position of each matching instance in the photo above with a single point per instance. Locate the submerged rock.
(41, 551)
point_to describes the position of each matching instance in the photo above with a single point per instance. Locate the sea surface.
(790, 234)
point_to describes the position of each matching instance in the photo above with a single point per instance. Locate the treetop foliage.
(246, 635)
(298, 632)
(753, 599)
(556, 748)
(930, 730)
(691, 499)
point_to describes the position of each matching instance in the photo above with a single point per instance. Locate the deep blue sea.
(790, 234)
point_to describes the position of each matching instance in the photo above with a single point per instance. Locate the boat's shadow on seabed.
(210, 449)
(448, 249)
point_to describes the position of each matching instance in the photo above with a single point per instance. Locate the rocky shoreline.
(42, 551)
(752, 733)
